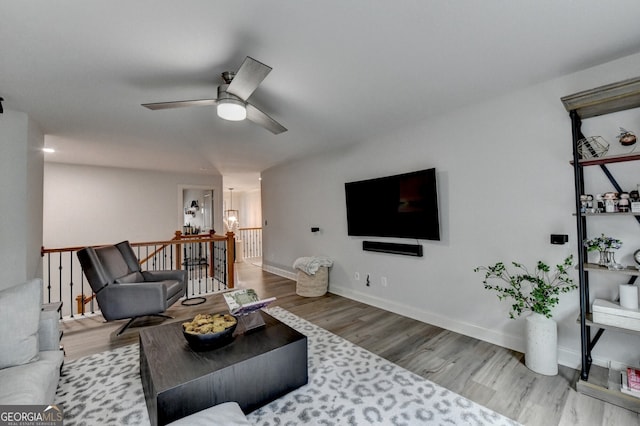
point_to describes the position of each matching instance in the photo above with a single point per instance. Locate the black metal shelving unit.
(603, 100)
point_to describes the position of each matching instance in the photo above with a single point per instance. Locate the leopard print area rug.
(348, 385)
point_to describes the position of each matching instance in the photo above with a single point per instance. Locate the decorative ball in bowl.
(209, 331)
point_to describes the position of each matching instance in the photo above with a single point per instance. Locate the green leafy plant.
(535, 292)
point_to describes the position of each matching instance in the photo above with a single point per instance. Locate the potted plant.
(605, 246)
(535, 292)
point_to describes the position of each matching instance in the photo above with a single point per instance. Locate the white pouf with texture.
(313, 285)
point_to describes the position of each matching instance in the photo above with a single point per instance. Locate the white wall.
(251, 213)
(86, 205)
(505, 184)
(21, 160)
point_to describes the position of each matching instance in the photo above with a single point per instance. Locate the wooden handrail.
(197, 238)
(191, 238)
(44, 251)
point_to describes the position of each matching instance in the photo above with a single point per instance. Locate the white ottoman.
(225, 414)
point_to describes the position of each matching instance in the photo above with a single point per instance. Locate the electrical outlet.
(383, 281)
(356, 276)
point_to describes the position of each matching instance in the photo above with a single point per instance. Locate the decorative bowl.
(209, 331)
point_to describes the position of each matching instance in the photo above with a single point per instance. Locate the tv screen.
(404, 206)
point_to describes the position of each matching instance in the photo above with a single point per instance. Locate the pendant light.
(231, 215)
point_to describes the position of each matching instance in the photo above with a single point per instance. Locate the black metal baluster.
(71, 284)
(191, 264)
(206, 269)
(48, 277)
(60, 276)
(82, 293)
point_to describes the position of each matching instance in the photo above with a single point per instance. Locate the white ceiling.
(343, 71)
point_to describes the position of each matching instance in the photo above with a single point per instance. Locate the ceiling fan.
(232, 97)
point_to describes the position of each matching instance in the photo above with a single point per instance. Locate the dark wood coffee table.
(253, 370)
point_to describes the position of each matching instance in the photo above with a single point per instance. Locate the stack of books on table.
(610, 313)
(245, 301)
(630, 381)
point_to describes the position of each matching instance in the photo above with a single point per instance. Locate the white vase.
(541, 353)
(628, 296)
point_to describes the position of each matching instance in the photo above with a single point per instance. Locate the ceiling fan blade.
(180, 104)
(248, 77)
(259, 117)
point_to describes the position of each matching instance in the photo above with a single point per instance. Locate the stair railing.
(250, 241)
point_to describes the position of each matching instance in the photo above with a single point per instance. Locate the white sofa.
(30, 355)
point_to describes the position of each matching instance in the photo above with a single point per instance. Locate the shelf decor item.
(586, 203)
(626, 137)
(628, 296)
(605, 246)
(536, 292)
(623, 202)
(593, 147)
(209, 331)
(606, 312)
(611, 202)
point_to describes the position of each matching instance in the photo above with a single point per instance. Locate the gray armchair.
(123, 290)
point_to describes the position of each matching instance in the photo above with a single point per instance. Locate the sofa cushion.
(32, 384)
(19, 320)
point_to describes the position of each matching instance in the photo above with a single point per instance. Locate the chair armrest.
(49, 331)
(165, 275)
(128, 300)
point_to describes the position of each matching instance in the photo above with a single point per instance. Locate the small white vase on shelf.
(541, 354)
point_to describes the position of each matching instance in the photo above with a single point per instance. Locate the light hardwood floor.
(490, 375)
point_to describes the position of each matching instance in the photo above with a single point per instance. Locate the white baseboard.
(279, 271)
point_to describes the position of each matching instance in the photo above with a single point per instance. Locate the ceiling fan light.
(232, 110)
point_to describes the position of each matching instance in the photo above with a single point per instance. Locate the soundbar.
(393, 248)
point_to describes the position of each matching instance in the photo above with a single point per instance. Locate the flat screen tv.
(404, 206)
